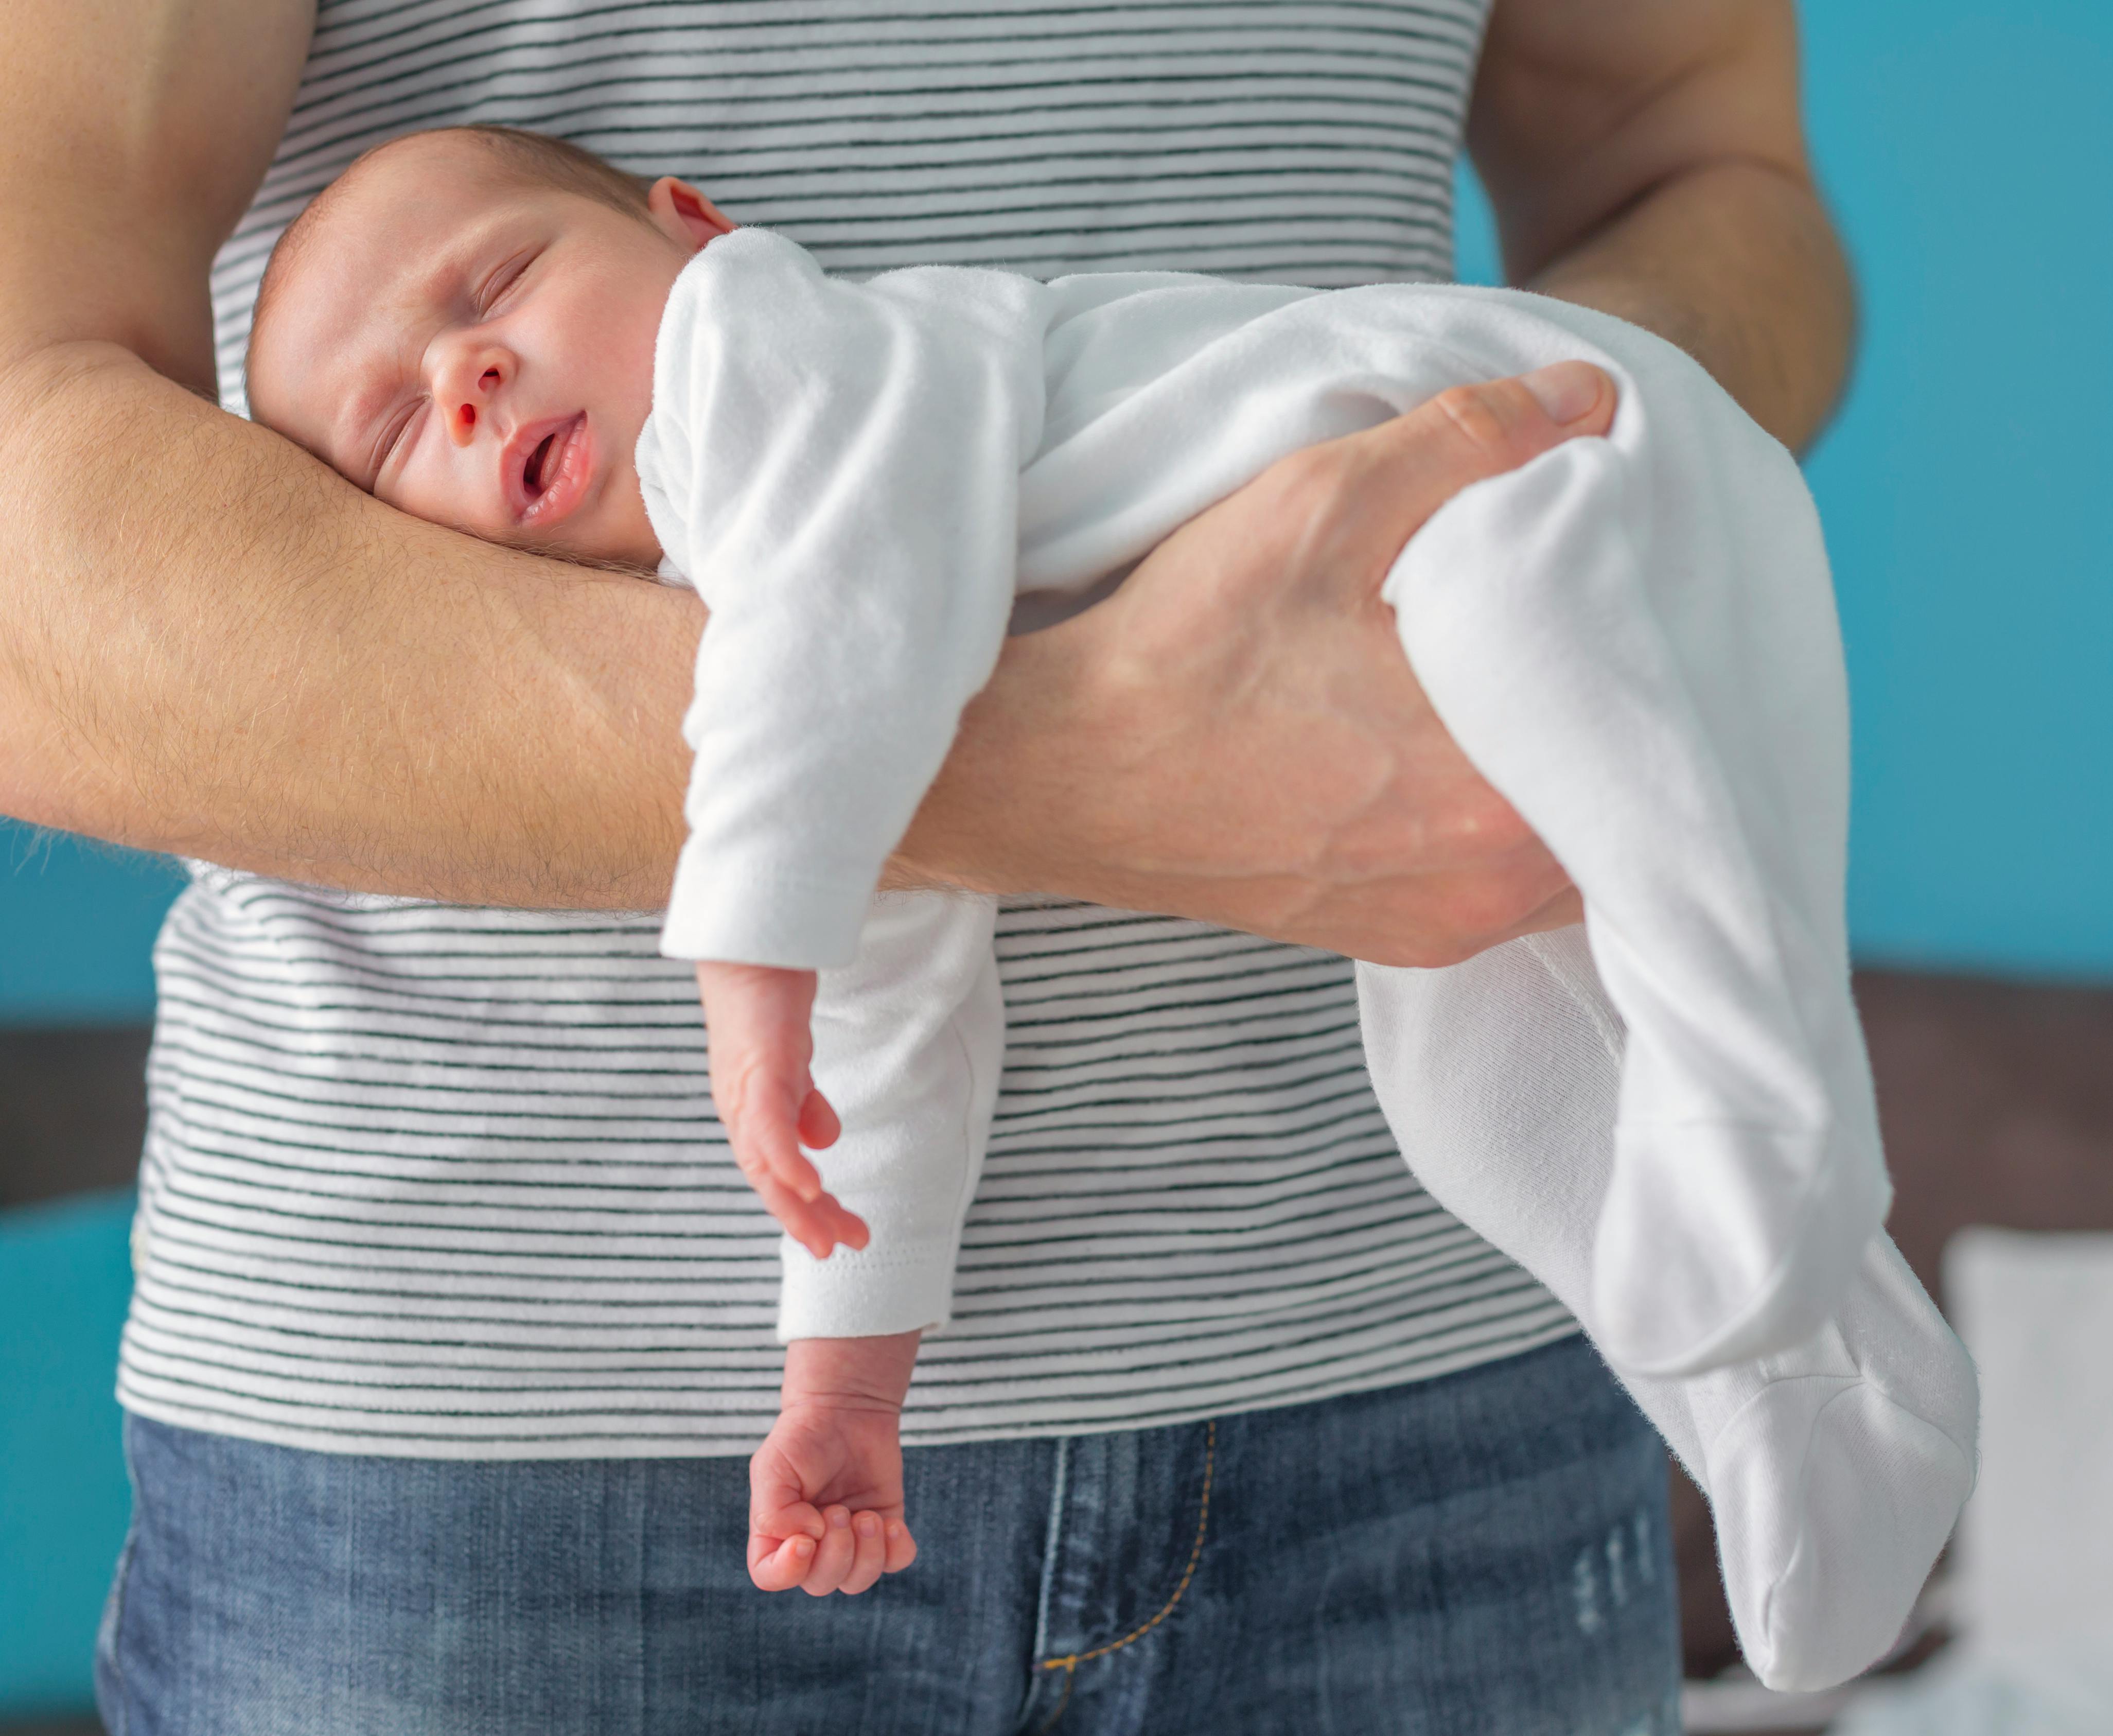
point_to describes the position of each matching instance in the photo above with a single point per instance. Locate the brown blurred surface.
(1997, 1101)
(73, 1109)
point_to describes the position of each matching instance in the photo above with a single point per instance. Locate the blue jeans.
(1482, 1553)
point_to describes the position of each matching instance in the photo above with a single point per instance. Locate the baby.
(1632, 638)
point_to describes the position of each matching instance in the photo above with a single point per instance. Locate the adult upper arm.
(133, 134)
(1583, 107)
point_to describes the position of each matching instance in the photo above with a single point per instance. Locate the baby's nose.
(462, 424)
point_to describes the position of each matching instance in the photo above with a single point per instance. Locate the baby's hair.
(531, 159)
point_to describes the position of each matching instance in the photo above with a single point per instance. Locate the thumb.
(1403, 471)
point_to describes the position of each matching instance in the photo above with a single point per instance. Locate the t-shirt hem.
(602, 1437)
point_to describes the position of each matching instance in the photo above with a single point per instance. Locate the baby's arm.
(908, 1039)
(835, 466)
(825, 1489)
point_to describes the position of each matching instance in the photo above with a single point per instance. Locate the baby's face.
(478, 351)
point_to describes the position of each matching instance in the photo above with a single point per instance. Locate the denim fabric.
(1482, 1553)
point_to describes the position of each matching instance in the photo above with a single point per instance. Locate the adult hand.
(1236, 736)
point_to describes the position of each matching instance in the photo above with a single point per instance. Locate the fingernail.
(1567, 390)
(867, 1525)
(803, 1546)
(838, 1518)
(894, 1530)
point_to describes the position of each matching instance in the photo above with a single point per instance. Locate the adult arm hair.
(211, 645)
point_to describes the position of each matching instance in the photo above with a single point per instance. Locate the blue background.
(1969, 151)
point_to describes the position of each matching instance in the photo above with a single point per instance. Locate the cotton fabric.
(1633, 637)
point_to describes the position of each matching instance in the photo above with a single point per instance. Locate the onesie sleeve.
(836, 467)
(908, 1041)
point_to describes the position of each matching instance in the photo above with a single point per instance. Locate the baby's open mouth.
(531, 478)
(545, 485)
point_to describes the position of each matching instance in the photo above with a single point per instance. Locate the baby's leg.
(758, 1020)
(1836, 1469)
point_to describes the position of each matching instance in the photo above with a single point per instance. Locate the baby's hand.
(825, 1489)
(762, 1047)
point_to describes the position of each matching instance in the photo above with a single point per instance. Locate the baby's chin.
(612, 532)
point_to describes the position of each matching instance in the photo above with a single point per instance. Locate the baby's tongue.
(537, 461)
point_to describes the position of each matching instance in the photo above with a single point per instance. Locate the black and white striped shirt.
(437, 1181)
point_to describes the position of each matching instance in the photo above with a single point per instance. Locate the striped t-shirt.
(430, 1180)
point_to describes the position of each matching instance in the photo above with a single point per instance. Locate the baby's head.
(462, 324)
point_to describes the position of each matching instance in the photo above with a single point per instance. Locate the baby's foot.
(1836, 1471)
(825, 1488)
(762, 1050)
(1718, 1241)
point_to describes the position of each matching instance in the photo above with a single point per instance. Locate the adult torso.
(421, 1180)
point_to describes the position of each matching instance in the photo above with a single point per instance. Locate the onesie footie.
(1836, 1469)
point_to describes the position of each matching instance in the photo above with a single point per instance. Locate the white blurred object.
(2059, 1687)
(2034, 1561)
(2035, 1545)
(1736, 1704)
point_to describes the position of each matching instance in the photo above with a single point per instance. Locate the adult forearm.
(1738, 264)
(209, 644)
(212, 646)
(1648, 157)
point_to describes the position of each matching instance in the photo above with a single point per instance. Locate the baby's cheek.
(627, 529)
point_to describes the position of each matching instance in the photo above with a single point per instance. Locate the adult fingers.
(1371, 491)
(1469, 433)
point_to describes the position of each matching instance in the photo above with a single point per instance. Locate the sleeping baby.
(1666, 1116)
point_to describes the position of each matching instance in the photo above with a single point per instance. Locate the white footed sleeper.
(1633, 639)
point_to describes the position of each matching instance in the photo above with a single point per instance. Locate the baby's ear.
(685, 215)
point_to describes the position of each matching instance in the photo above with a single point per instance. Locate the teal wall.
(77, 922)
(65, 1276)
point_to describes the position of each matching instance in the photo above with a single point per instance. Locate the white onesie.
(1632, 638)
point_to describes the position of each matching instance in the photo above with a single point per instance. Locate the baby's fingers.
(817, 1225)
(833, 1556)
(901, 1546)
(777, 1565)
(766, 1144)
(868, 1554)
(820, 1124)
